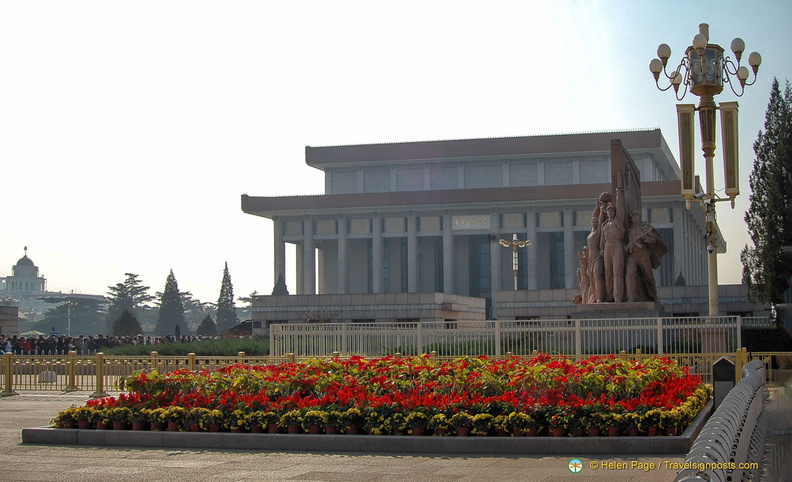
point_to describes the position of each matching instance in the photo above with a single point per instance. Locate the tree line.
(129, 306)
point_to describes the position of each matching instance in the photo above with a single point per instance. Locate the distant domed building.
(25, 281)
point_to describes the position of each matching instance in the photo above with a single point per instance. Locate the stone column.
(279, 255)
(412, 254)
(530, 225)
(448, 254)
(376, 253)
(495, 260)
(309, 258)
(571, 262)
(343, 286)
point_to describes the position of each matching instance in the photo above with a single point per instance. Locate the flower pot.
(652, 431)
(140, 426)
(172, 427)
(215, 427)
(613, 431)
(632, 432)
(417, 430)
(352, 429)
(499, 432)
(100, 425)
(256, 429)
(293, 429)
(462, 431)
(195, 427)
(529, 432)
(273, 428)
(314, 429)
(157, 426)
(67, 425)
(441, 432)
(556, 432)
(119, 425)
(579, 432)
(85, 424)
(593, 432)
(671, 431)
(331, 430)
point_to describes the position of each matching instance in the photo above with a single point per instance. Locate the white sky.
(129, 130)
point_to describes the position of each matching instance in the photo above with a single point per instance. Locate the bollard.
(99, 393)
(290, 358)
(9, 376)
(241, 356)
(723, 379)
(191, 362)
(155, 361)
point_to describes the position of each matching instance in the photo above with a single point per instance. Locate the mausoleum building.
(426, 217)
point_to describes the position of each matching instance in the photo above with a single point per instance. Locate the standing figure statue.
(612, 246)
(644, 249)
(583, 277)
(596, 269)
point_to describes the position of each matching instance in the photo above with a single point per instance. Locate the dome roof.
(25, 261)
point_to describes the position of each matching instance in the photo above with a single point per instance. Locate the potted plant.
(261, 420)
(120, 417)
(86, 417)
(520, 423)
(313, 421)
(462, 422)
(482, 423)
(212, 420)
(649, 423)
(236, 421)
(416, 421)
(65, 418)
(176, 417)
(439, 423)
(333, 423)
(670, 421)
(291, 420)
(194, 417)
(352, 419)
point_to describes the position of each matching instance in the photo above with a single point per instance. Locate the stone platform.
(637, 309)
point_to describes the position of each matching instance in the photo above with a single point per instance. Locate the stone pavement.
(26, 462)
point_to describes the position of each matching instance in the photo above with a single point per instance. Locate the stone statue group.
(617, 263)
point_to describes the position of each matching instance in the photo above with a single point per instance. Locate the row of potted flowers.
(552, 422)
(542, 394)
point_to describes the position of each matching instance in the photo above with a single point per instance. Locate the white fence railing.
(494, 337)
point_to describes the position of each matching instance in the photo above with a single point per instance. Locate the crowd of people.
(83, 345)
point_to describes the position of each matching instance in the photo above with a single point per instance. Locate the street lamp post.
(703, 70)
(515, 244)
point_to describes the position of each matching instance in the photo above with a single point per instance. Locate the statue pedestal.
(638, 309)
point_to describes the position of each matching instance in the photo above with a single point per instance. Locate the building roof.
(320, 157)
(282, 205)
(25, 261)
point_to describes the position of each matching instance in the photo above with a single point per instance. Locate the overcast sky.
(129, 130)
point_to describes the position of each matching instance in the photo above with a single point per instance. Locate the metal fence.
(495, 338)
(732, 443)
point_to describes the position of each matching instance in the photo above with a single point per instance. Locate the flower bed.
(542, 395)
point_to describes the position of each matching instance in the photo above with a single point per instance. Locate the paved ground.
(20, 462)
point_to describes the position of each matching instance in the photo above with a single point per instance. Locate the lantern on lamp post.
(704, 70)
(515, 244)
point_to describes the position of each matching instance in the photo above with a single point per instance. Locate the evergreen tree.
(207, 327)
(765, 269)
(171, 309)
(127, 325)
(129, 295)
(226, 310)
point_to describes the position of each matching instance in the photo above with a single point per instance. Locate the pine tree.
(171, 310)
(765, 268)
(207, 327)
(226, 310)
(127, 325)
(129, 295)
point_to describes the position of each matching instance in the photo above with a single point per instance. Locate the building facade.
(423, 217)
